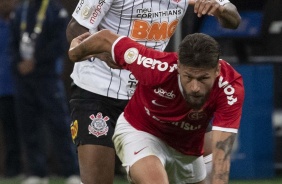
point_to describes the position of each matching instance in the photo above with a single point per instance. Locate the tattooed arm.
(222, 143)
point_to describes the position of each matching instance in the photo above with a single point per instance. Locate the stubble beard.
(195, 102)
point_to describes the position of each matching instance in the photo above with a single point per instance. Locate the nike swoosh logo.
(155, 103)
(136, 152)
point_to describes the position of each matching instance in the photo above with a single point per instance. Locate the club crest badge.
(74, 130)
(131, 55)
(98, 126)
(86, 12)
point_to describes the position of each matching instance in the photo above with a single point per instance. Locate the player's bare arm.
(222, 146)
(74, 29)
(226, 14)
(87, 45)
(229, 16)
(77, 49)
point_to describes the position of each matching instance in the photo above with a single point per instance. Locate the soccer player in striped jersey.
(100, 93)
(160, 136)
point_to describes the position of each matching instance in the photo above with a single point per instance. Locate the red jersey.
(159, 108)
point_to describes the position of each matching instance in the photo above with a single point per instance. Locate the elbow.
(234, 24)
(72, 56)
(237, 22)
(231, 18)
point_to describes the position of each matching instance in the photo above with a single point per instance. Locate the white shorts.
(208, 158)
(132, 145)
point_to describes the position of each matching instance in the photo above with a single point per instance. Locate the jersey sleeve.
(229, 106)
(149, 66)
(89, 13)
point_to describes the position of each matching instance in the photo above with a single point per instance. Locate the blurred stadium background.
(255, 50)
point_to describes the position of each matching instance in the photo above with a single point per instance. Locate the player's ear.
(218, 69)
(178, 66)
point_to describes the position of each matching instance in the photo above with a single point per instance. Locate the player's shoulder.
(228, 72)
(228, 88)
(230, 81)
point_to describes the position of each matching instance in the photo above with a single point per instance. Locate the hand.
(75, 54)
(25, 67)
(209, 7)
(77, 40)
(107, 58)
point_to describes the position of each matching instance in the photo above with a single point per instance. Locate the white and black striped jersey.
(150, 22)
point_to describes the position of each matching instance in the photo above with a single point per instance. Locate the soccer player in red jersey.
(160, 135)
(99, 93)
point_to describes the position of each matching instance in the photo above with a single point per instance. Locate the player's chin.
(195, 102)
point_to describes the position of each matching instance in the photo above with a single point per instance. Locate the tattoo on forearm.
(226, 145)
(223, 177)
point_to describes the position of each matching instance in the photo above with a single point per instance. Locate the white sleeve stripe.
(113, 48)
(233, 130)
